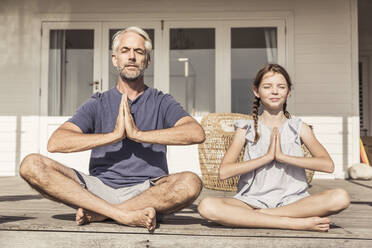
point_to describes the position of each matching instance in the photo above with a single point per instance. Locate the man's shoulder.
(159, 95)
(99, 96)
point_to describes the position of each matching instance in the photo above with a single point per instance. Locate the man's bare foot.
(145, 218)
(85, 217)
(312, 224)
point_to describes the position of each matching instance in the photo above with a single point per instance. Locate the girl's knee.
(207, 208)
(340, 199)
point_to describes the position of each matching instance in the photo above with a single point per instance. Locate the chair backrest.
(219, 131)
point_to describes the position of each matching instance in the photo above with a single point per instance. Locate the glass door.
(109, 72)
(210, 66)
(70, 66)
(190, 65)
(251, 49)
(252, 46)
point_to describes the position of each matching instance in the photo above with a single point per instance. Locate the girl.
(272, 189)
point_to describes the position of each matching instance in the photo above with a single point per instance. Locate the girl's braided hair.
(275, 68)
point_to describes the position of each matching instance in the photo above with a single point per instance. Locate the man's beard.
(131, 75)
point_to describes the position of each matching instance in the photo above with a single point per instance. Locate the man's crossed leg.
(60, 183)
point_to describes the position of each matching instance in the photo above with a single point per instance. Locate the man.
(127, 128)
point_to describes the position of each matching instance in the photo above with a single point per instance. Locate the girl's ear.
(255, 92)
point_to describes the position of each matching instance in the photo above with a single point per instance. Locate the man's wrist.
(115, 137)
(138, 136)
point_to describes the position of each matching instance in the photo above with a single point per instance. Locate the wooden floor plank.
(28, 220)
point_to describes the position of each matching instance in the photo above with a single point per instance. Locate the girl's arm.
(229, 165)
(320, 160)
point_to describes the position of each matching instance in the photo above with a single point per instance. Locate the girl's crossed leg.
(301, 215)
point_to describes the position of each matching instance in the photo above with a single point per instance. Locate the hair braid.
(286, 113)
(256, 104)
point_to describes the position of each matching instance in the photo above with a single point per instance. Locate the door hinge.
(162, 25)
(39, 91)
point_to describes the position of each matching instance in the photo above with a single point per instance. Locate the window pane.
(149, 72)
(70, 70)
(251, 49)
(192, 69)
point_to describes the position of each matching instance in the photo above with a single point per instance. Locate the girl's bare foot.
(312, 224)
(85, 217)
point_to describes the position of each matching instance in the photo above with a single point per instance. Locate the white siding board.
(325, 86)
(320, 48)
(322, 58)
(331, 24)
(321, 108)
(322, 97)
(8, 144)
(313, 39)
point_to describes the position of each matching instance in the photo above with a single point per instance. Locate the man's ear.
(114, 60)
(255, 92)
(148, 61)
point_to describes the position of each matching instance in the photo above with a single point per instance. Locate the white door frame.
(223, 52)
(106, 26)
(46, 27)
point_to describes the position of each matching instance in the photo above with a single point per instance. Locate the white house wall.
(322, 58)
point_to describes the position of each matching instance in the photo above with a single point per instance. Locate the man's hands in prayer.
(125, 126)
(119, 130)
(131, 129)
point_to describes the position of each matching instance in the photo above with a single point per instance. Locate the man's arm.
(186, 131)
(70, 138)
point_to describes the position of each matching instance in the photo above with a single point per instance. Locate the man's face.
(131, 59)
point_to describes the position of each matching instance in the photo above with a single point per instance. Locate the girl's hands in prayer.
(271, 151)
(278, 148)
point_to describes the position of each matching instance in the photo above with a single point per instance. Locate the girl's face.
(273, 90)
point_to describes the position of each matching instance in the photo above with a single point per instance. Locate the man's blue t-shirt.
(127, 162)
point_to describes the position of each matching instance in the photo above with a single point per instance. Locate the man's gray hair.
(134, 29)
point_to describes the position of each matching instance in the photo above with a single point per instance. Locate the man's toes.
(80, 217)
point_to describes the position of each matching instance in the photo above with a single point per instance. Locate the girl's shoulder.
(295, 123)
(243, 124)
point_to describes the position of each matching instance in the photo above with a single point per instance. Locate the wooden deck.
(28, 220)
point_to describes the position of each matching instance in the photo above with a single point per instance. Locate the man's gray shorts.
(111, 195)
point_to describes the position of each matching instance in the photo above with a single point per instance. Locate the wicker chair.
(219, 130)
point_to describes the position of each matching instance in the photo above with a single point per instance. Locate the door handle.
(96, 86)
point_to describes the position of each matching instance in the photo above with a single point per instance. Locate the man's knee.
(339, 199)
(192, 183)
(30, 165)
